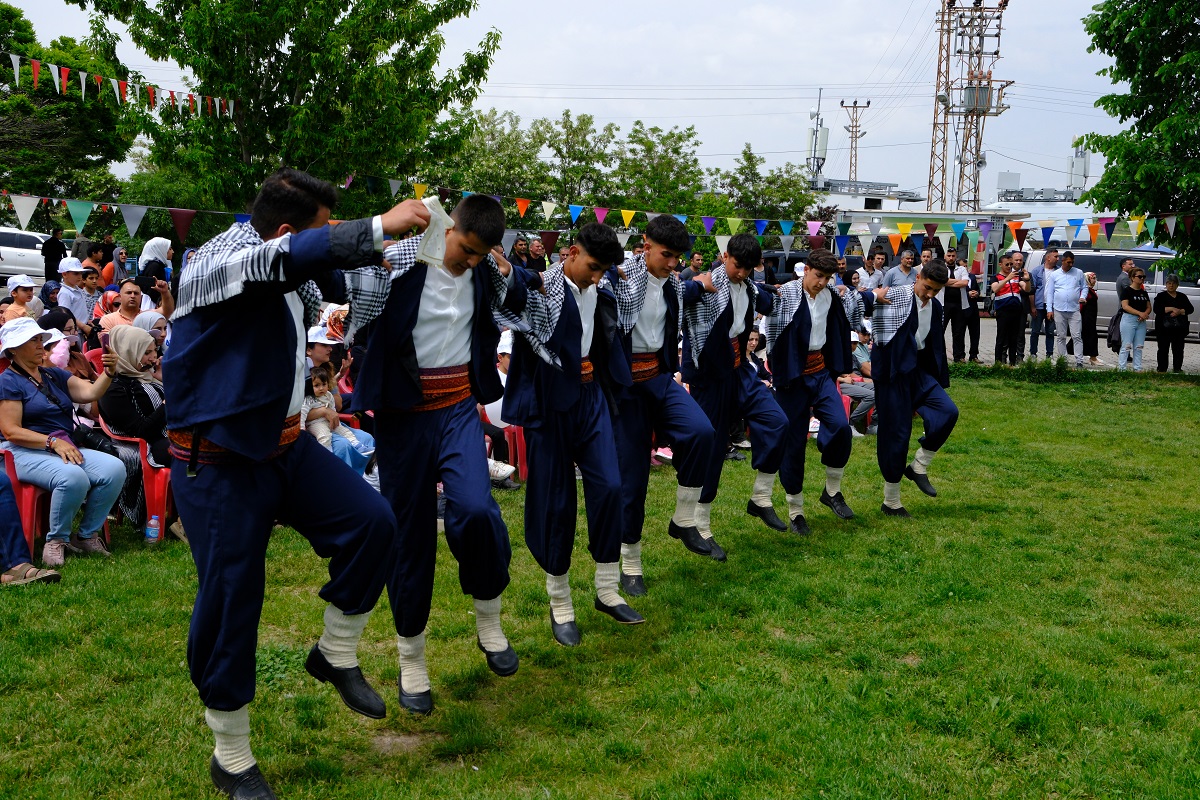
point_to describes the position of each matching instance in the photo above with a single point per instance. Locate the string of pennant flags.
(182, 218)
(125, 92)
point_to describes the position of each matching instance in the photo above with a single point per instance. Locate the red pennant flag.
(522, 206)
(182, 218)
(173, 99)
(192, 102)
(818, 242)
(99, 80)
(65, 72)
(104, 208)
(222, 106)
(444, 195)
(931, 229)
(150, 94)
(124, 85)
(37, 70)
(1187, 224)
(1019, 234)
(208, 102)
(549, 239)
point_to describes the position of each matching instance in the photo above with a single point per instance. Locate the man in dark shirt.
(108, 246)
(520, 253)
(694, 267)
(53, 251)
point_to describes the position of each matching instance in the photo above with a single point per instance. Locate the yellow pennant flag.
(735, 224)
(627, 216)
(1141, 223)
(419, 189)
(905, 229)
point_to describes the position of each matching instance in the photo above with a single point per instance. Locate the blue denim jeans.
(354, 457)
(13, 550)
(97, 482)
(1133, 337)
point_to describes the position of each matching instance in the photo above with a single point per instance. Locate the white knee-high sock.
(795, 505)
(631, 558)
(487, 625)
(559, 589)
(764, 482)
(891, 495)
(703, 523)
(414, 675)
(339, 642)
(686, 498)
(232, 732)
(607, 575)
(833, 479)
(920, 462)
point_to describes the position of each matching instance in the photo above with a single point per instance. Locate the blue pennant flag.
(761, 225)
(959, 228)
(681, 217)
(786, 226)
(1077, 224)
(575, 212)
(241, 217)
(918, 240)
(842, 243)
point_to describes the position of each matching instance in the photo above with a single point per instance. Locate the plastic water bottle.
(152, 531)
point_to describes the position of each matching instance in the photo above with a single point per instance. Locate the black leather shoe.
(417, 703)
(248, 785)
(504, 663)
(633, 585)
(922, 481)
(621, 613)
(837, 504)
(766, 514)
(888, 511)
(356, 693)
(718, 552)
(800, 525)
(565, 633)
(691, 538)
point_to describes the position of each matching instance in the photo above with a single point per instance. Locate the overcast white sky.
(751, 74)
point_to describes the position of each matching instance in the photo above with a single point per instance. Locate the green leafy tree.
(581, 157)
(52, 144)
(335, 88)
(1153, 165)
(658, 170)
(779, 193)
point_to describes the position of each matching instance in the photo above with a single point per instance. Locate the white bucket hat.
(20, 331)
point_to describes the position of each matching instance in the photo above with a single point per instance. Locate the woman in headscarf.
(49, 295)
(134, 407)
(155, 324)
(115, 271)
(156, 257)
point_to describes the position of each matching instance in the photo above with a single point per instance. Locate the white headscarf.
(156, 250)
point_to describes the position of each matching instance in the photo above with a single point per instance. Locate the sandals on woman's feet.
(28, 573)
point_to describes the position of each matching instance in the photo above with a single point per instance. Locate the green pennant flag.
(843, 228)
(1151, 224)
(80, 211)
(735, 225)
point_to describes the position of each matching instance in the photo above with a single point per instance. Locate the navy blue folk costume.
(241, 461)
(423, 390)
(908, 366)
(724, 384)
(806, 364)
(654, 407)
(560, 394)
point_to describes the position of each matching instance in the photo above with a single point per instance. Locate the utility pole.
(939, 150)
(856, 132)
(818, 144)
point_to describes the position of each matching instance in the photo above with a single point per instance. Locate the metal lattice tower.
(970, 35)
(856, 132)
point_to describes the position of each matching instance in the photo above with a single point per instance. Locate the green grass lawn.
(1032, 632)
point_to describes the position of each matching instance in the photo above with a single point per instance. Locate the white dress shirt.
(296, 308)
(818, 312)
(650, 331)
(586, 301)
(739, 299)
(442, 334)
(924, 320)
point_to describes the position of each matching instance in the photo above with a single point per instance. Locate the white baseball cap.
(20, 281)
(70, 264)
(20, 331)
(506, 343)
(317, 334)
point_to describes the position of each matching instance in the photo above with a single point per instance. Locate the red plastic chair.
(95, 357)
(514, 435)
(350, 421)
(156, 481)
(33, 504)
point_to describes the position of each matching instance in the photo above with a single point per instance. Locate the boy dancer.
(554, 390)
(807, 334)
(241, 461)
(430, 358)
(719, 308)
(908, 365)
(649, 297)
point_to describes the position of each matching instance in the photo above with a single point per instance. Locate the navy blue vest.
(668, 354)
(790, 352)
(716, 354)
(900, 356)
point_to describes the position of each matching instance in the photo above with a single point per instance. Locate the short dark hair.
(745, 250)
(1050, 250)
(94, 247)
(600, 242)
(1069, 254)
(324, 372)
(927, 249)
(668, 231)
(1126, 259)
(822, 261)
(290, 197)
(56, 230)
(936, 271)
(481, 215)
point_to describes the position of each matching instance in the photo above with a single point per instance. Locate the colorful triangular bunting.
(548, 209)
(627, 216)
(80, 211)
(135, 214)
(182, 217)
(723, 243)
(575, 210)
(24, 206)
(708, 223)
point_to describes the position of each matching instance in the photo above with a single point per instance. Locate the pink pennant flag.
(601, 213)
(814, 226)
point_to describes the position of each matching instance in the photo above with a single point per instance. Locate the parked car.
(1107, 266)
(22, 253)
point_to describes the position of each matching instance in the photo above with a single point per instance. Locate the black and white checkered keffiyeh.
(853, 303)
(630, 291)
(701, 316)
(541, 315)
(888, 317)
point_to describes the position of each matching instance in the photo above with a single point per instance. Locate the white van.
(22, 253)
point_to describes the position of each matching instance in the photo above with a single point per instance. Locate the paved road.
(987, 349)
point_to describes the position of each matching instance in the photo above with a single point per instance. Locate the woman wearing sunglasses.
(1135, 302)
(36, 420)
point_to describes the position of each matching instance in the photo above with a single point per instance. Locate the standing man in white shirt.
(870, 274)
(1066, 292)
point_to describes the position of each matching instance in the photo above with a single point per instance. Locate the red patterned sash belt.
(645, 367)
(186, 447)
(815, 363)
(737, 352)
(585, 371)
(444, 387)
